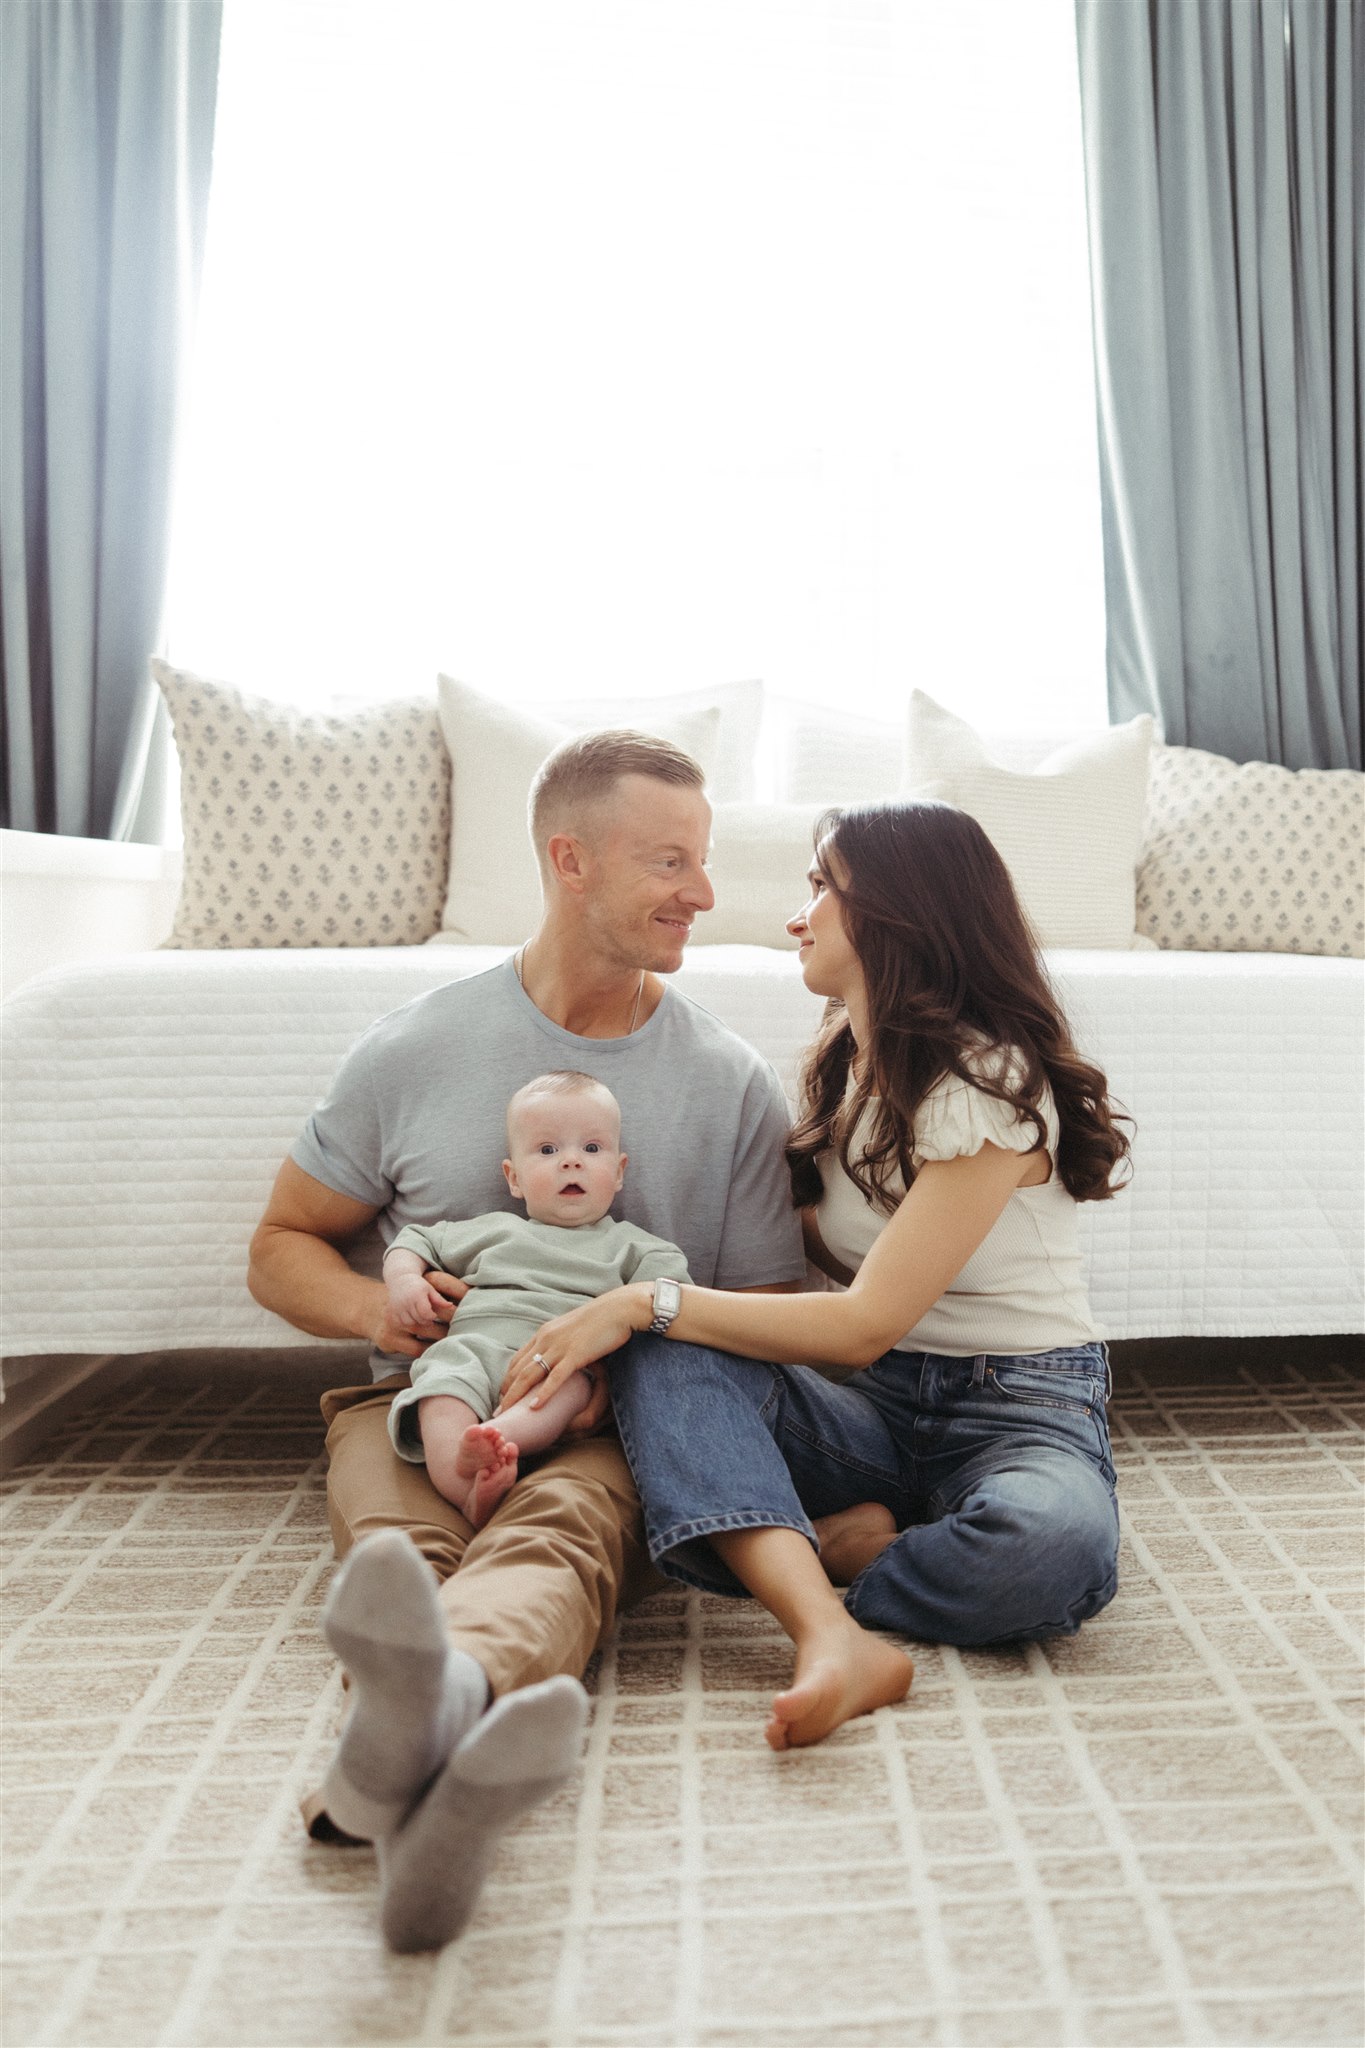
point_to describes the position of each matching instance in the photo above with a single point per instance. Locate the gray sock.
(413, 1695)
(525, 1747)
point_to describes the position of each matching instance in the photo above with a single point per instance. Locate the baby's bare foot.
(479, 1450)
(488, 1463)
(851, 1539)
(840, 1674)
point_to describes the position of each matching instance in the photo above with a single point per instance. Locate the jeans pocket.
(1036, 1383)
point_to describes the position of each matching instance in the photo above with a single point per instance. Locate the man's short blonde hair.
(584, 771)
(562, 1081)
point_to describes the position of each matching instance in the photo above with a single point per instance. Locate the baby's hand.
(414, 1303)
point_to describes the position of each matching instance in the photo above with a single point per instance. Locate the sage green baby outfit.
(520, 1274)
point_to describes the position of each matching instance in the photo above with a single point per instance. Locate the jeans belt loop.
(979, 1369)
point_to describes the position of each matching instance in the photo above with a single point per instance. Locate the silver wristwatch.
(667, 1302)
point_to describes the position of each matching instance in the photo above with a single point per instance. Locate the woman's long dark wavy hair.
(953, 973)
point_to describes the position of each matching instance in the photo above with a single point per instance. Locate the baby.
(566, 1165)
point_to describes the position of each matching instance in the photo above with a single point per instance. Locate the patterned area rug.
(1147, 1834)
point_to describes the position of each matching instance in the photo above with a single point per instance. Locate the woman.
(959, 1483)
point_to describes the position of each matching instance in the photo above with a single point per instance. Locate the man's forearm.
(309, 1283)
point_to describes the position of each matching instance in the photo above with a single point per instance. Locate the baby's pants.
(472, 1366)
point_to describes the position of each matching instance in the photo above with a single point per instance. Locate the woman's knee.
(1058, 1549)
(1024, 1554)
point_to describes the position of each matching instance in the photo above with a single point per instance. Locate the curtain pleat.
(1223, 171)
(108, 114)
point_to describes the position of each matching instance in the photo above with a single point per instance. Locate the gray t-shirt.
(416, 1123)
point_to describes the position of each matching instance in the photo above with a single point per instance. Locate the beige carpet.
(1149, 1834)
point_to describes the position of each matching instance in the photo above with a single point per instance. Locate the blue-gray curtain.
(1225, 174)
(107, 117)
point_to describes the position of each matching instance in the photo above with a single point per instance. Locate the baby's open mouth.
(572, 1188)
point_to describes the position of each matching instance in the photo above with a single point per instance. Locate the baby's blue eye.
(592, 1148)
(547, 1149)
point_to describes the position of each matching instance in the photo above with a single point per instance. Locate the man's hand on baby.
(417, 1310)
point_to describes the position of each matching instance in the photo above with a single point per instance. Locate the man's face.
(567, 1164)
(645, 870)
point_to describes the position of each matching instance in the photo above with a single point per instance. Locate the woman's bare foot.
(840, 1673)
(487, 1463)
(851, 1539)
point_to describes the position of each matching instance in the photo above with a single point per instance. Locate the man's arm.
(298, 1270)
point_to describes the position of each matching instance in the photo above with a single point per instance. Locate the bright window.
(624, 346)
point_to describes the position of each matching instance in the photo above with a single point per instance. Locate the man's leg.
(532, 1593)
(541, 1584)
(537, 1589)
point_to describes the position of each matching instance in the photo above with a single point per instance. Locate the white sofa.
(149, 1097)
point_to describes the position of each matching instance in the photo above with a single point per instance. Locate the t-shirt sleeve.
(760, 1240)
(955, 1120)
(343, 1142)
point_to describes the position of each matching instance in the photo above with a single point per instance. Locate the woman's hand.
(574, 1341)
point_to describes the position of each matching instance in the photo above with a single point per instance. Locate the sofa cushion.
(493, 896)
(732, 771)
(1252, 858)
(822, 754)
(1069, 831)
(306, 829)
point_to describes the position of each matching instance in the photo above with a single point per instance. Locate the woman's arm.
(950, 1208)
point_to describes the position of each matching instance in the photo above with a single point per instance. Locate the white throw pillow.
(832, 757)
(493, 897)
(1069, 833)
(759, 857)
(1252, 858)
(306, 829)
(730, 777)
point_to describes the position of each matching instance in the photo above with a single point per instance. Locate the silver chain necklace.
(639, 993)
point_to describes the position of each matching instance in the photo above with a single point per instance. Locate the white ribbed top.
(1022, 1289)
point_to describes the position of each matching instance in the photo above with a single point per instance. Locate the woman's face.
(829, 965)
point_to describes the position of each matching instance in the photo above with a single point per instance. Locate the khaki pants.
(537, 1589)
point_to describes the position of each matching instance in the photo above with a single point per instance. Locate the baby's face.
(566, 1163)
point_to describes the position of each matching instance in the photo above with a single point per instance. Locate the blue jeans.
(997, 1470)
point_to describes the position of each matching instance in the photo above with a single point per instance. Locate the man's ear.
(511, 1173)
(567, 858)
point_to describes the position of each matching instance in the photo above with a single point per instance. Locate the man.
(412, 1132)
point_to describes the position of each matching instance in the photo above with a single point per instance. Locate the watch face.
(667, 1297)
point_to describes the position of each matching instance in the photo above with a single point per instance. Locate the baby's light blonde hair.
(560, 1081)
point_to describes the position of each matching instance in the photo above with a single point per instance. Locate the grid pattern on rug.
(1146, 1834)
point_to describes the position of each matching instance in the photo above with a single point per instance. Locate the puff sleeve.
(955, 1120)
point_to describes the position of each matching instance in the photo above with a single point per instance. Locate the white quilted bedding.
(148, 1101)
